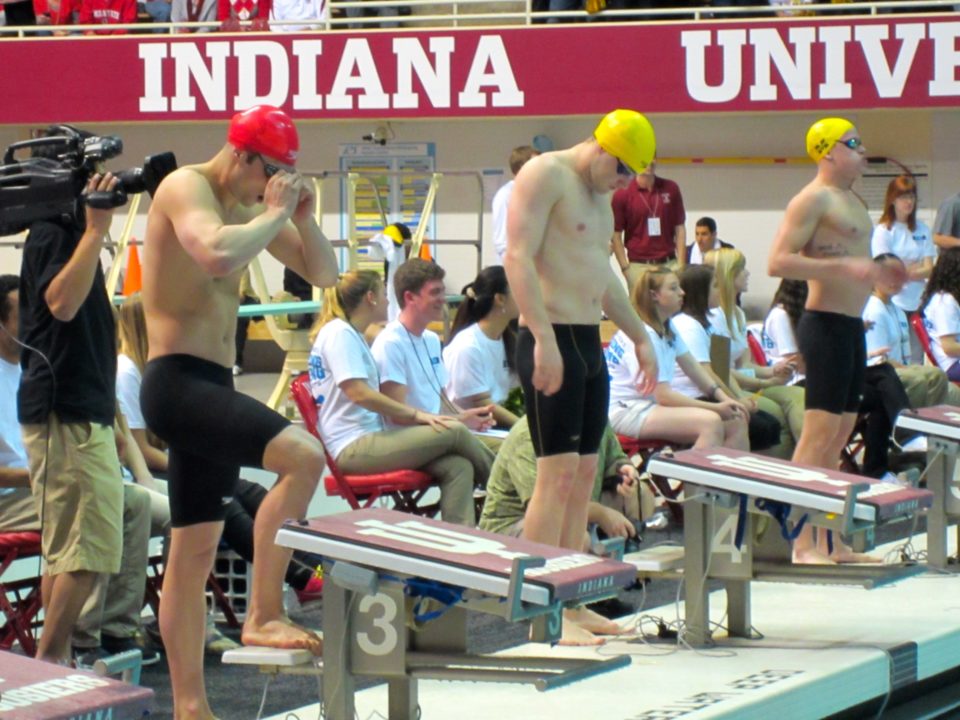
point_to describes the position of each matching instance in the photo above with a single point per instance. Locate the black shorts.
(835, 353)
(212, 431)
(572, 420)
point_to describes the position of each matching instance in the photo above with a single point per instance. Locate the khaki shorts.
(78, 493)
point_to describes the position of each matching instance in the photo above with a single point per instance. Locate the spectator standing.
(518, 158)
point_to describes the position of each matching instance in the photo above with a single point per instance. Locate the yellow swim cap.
(628, 136)
(823, 135)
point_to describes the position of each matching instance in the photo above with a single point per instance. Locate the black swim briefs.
(835, 354)
(571, 420)
(212, 431)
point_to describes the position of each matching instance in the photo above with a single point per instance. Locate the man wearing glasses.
(649, 225)
(824, 238)
(557, 261)
(206, 223)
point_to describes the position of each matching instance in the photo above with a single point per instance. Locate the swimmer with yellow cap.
(824, 134)
(629, 137)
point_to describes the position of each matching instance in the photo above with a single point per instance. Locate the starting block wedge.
(275, 661)
(941, 425)
(731, 493)
(409, 621)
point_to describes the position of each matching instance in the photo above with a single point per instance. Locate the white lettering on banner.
(955, 416)
(357, 78)
(435, 78)
(792, 57)
(278, 78)
(48, 690)
(774, 469)
(211, 82)
(413, 532)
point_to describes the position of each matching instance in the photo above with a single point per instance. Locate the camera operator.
(65, 406)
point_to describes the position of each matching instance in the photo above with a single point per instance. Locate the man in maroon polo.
(648, 225)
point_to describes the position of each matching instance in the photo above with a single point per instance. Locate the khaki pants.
(637, 270)
(453, 457)
(925, 385)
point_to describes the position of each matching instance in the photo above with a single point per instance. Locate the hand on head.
(283, 192)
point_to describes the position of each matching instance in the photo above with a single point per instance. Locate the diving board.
(727, 490)
(382, 567)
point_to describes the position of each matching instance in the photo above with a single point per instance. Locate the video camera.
(49, 185)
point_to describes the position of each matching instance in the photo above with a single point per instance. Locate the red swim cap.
(266, 130)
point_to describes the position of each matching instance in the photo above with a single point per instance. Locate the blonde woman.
(764, 385)
(345, 383)
(668, 414)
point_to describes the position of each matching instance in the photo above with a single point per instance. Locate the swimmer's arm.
(218, 248)
(795, 232)
(302, 247)
(14, 477)
(535, 192)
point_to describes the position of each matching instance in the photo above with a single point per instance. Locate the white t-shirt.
(476, 364)
(697, 340)
(890, 329)
(941, 317)
(624, 369)
(500, 202)
(909, 246)
(298, 10)
(779, 340)
(128, 392)
(384, 248)
(340, 353)
(738, 339)
(696, 255)
(12, 452)
(404, 358)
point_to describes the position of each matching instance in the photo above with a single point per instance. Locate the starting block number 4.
(724, 540)
(384, 640)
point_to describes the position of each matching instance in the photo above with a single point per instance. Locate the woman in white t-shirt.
(779, 338)
(668, 414)
(767, 383)
(479, 355)
(346, 386)
(940, 306)
(901, 234)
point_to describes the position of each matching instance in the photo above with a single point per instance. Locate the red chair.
(405, 487)
(20, 600)
(920, 330)
(756, 350)
(154, 586)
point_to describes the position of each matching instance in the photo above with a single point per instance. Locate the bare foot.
(281, 633)
(573, 634)
(591, 621)
(811, 556)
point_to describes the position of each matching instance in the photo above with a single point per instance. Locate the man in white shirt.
(408, 354)
(518, 158)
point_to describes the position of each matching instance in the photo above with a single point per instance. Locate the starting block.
(941, 425)
(728, 491)
(34, 690)
(397, 591)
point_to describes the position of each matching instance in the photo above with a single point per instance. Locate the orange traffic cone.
(132, 281)
(425, 253)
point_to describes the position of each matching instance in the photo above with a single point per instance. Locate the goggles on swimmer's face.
(624, 170)
(268, 169)
(853, 143)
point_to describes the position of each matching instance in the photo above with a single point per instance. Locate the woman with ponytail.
(480, 355)
(353, 412)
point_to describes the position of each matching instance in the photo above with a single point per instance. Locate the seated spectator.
(311, 15)
(158, 10)
(692, 325)
(107, 12)
(705, 239)
(346, 383)
(408, 354)
(900, 233)
(941, 312)
(56, 13)
(183, 11)
(479, 358)
(888, 340)
(769, 384)
(231, 13)
(667, 414)
(779, 337)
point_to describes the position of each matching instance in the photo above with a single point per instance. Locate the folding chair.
(920, 330)
(20, 600)
(405, 487)
(154, 586)
(645, 449)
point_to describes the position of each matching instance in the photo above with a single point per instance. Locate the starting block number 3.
(724, 540)
(381, 611)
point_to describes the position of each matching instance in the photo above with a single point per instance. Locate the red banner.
(811, 64)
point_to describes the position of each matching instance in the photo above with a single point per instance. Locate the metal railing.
(392, 14)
